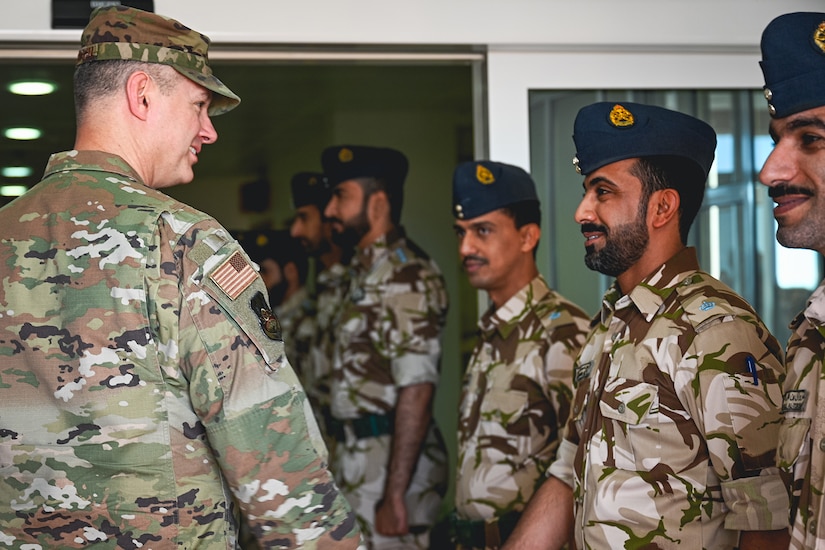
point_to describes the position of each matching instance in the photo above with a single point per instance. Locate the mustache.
(467, 259)
(785, 189)
(592, 228)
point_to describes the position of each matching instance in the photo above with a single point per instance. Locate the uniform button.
(768, 94)
(822, 444)
(771, 109)
(620, 408)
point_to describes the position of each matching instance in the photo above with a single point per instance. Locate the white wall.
(534, 23)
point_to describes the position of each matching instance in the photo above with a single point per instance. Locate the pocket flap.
(629, 401)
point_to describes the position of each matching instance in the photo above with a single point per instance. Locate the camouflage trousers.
(360, 470)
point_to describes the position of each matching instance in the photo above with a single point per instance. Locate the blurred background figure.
(391, 461)
(283, 267)
(327, 284)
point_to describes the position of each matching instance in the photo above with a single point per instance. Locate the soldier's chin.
(346, 239)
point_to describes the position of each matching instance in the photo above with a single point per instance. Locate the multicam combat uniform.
(514, 404)
(673, 432)
(142, 404)
(801, 437)
(388, 335)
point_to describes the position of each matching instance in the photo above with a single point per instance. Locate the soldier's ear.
(663, 207)
(378, 207)
(530, 234)
(138, 91)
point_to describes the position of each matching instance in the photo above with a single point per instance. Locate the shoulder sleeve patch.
(234, 275)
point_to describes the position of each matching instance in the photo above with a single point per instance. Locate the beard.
(354, 230)
(623, 246)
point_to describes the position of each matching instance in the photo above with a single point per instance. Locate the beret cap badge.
(621, 117)
(819, 37)
(345, 155)
(483, 175)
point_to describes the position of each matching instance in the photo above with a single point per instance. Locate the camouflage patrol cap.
(482, 186)
(793, 63)
(346, 162)
(608, 132)
(122, 32)
(310, 188)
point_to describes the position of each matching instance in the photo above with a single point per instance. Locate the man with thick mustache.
(517, 389)
(793, 63)
(390, 459)
(673, 434)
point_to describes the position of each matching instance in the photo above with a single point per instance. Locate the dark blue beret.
(346, 162)
(793, 62)
(608, 132)
(482, 186)
(310, 188)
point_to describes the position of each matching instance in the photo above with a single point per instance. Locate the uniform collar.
(815, 310)
(650, 294)
(367, 256)
(91, 161)
(502, 319)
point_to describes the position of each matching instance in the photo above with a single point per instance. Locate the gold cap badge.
(621, 117)
(345, 155)
(819, 36)
(484, 175)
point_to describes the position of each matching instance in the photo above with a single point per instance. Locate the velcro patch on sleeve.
(234, 275)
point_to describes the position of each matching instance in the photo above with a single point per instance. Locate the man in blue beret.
(517, 389)
(673, 434)
(793, 63)
(310, 195)
(390, 459)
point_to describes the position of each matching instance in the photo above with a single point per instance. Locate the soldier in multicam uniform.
(310, 195)
(793, 63)
(515, 399)
(145, 401)
(674, 428)
(390, 459)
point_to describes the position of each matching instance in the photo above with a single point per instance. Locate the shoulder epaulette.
(556, 318)
(703, 309)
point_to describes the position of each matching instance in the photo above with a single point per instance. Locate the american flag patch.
(234, 275)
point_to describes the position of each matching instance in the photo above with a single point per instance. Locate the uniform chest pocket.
(630, 410)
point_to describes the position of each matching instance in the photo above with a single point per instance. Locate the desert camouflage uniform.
(672, 437)
(296, 315)
(802, 434)
(140, 406)
(330, 287)
(388, 335)
(515, 400)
